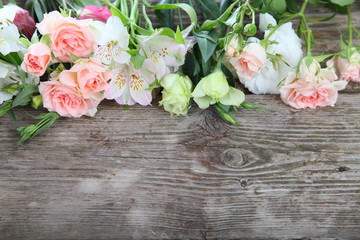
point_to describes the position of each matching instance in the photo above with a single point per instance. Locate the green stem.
(220, 60)
(180, 17)
(1, 4)
(303, 7)
(350, 27)
(308, 42)
(244, 7)
(124, 8)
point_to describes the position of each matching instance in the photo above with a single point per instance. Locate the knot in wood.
(233, 158)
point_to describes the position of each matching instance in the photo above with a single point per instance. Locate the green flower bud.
(176, 94)
(215, 85)
(250, 29)
(36, 101)
(237, 28)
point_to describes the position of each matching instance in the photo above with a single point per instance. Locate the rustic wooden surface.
(139, 173)
(142, 174)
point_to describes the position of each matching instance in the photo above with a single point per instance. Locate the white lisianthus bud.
(176, 94)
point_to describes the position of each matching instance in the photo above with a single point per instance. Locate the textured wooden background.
(142, 174)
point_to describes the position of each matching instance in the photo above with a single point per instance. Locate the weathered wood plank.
(139, 173)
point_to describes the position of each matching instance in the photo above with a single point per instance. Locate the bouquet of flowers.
(81, 54)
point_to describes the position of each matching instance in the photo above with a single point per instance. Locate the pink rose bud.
(95, 12)
(25, 23)
(36, 59)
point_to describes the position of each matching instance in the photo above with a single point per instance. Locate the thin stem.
(308, 42)
(303, 7)
(244, 7)
(350, 27)
(180, 18)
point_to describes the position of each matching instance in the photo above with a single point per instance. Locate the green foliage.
(24, 98)
(28, 132)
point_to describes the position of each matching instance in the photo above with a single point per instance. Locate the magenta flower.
(95, 12)
(24, 22)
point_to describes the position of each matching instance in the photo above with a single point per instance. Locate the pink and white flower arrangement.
(312, 86)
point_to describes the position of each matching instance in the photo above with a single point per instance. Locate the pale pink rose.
(50, 22)
(36, 59)
(66, 101)
(95, 12)
(312, 87)
(250, 61)
(24, 22)
(345, 69)
(72, 38)
(89, 76)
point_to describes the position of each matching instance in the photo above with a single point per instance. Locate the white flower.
(162, 53)
(113, 39)
(9, 11)
(287, 45)
(9, 37)
(266, 20)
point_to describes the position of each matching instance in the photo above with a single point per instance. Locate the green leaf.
(38, 11)
(342, 2)
(314, 2)
(137, 60)
(226, 116)
(208, 25)
(6, 107)
(73, 57)
(24, 98)
(291, 5)
(28, 132)
(209, 8)
(249, 105)
(166, 17)
(186, 7)
(46, 40)
(116, 12)
(207, 47)
(322, 19)
(322, 58)
(178, 36)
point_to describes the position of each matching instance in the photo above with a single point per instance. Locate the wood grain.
(139, 173)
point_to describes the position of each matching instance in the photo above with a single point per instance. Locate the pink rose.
(348, 70)
(250, 61)
(50, 22)
(73, 38)
(24, 23)
(312, 87)
(67, 35)
(36, 59)
(89, 75)
(66, 101)
(95, 12)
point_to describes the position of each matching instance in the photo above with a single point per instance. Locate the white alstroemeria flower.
(162, 52)
(9, 11)
(5, 69)
(287, 45)
(9, 37)
(265, 21)
(129, 86)
(113, 39)
(10, 79)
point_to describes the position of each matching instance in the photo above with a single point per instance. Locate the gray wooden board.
(140, 173)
